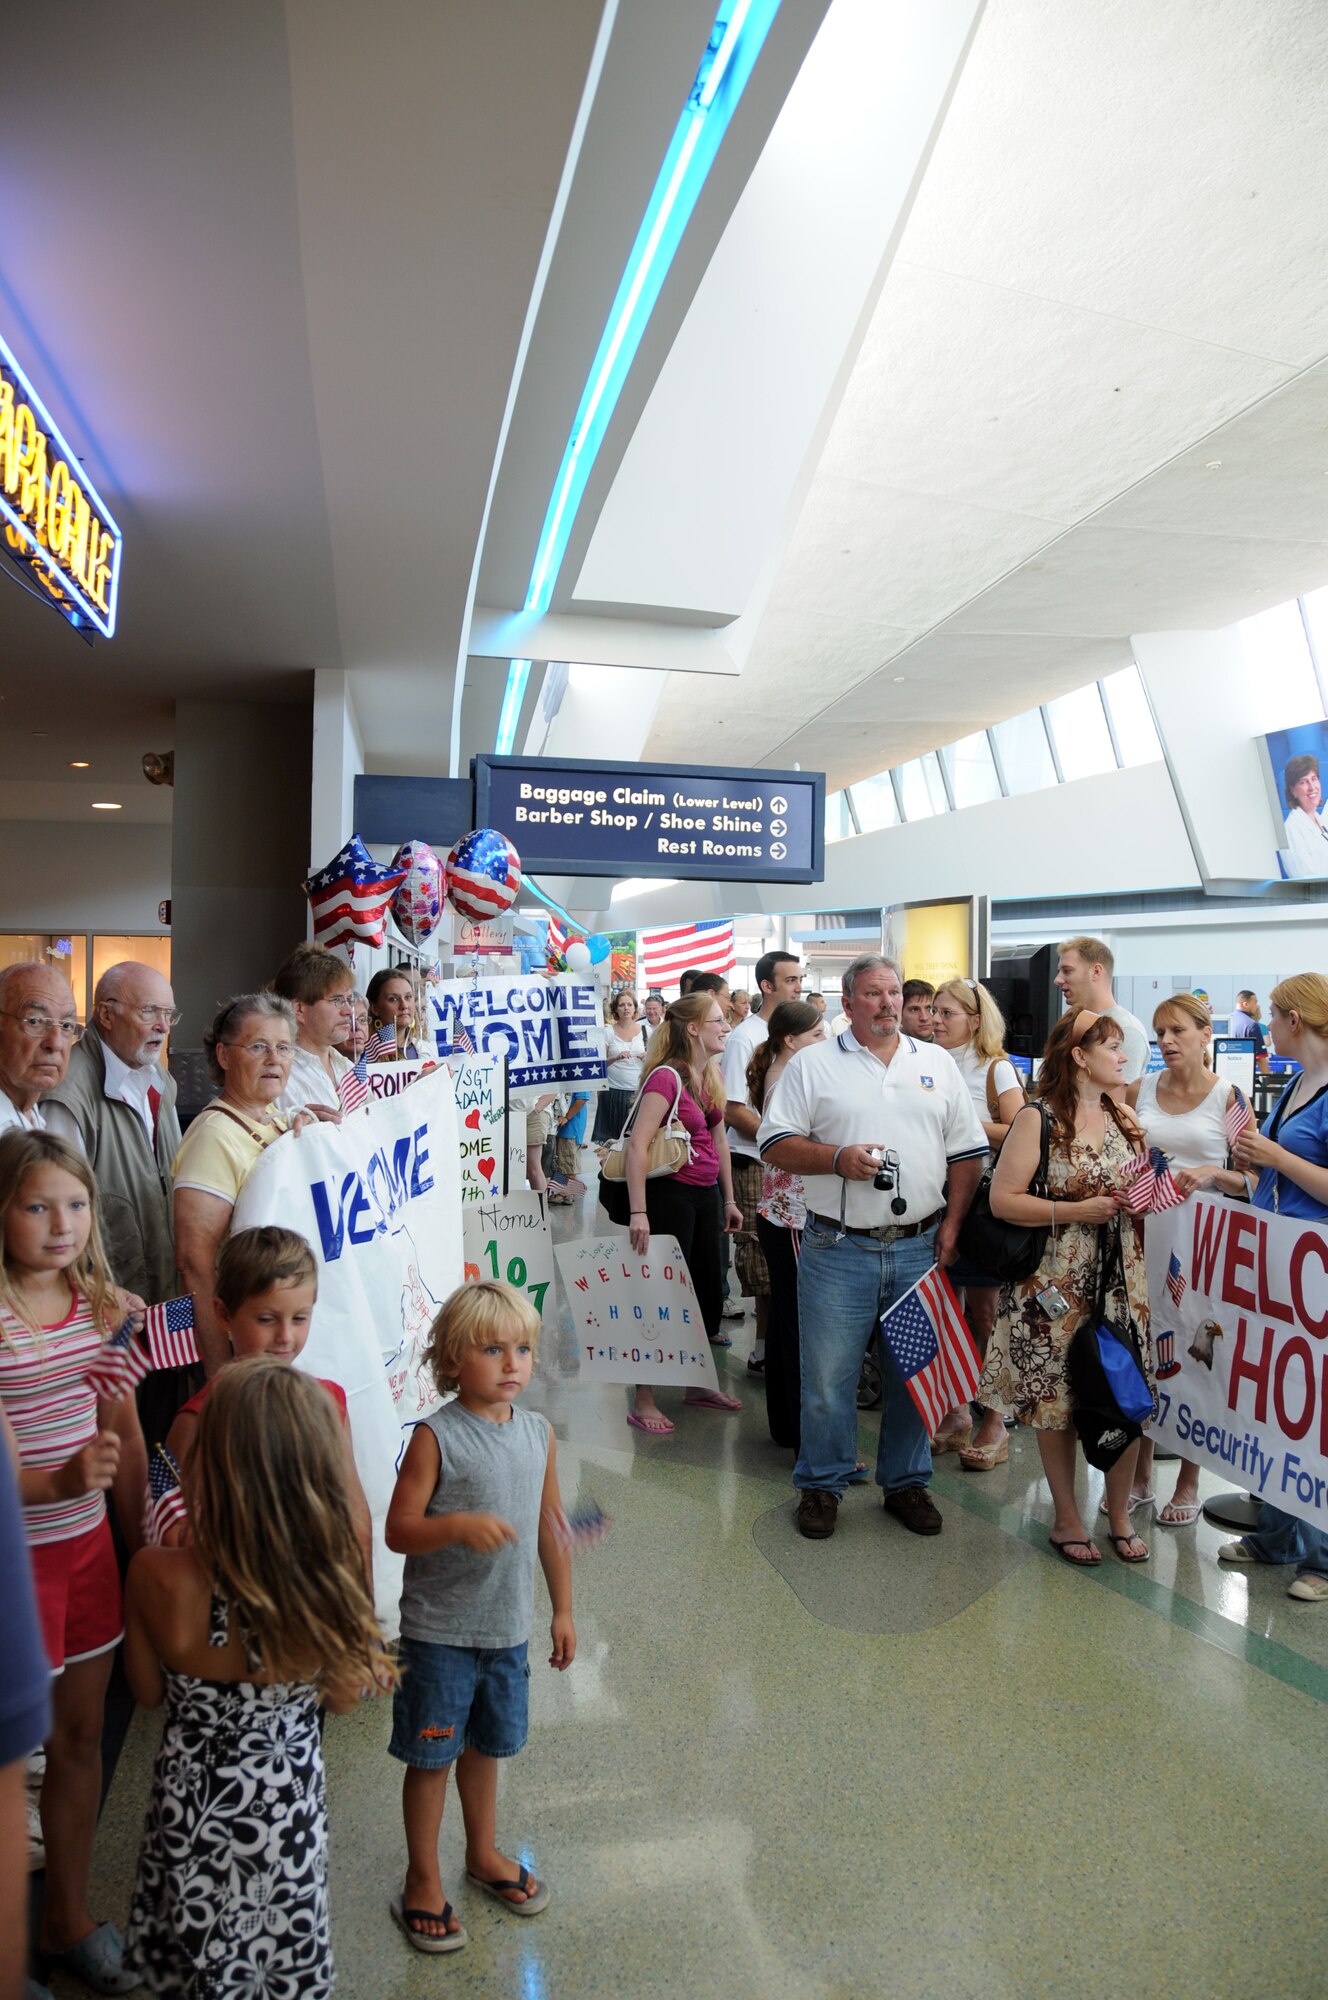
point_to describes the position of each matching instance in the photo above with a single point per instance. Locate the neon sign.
(56, 525)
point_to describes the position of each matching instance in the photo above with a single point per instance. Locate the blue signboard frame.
(541, 855)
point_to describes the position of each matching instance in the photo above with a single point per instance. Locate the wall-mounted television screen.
(1296, 773)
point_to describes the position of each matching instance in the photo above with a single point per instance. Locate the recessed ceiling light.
(106, 806)
(1213, 465)
(899, 679)
(79, 764)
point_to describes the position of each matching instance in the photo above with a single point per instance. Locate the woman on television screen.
(1306, 834)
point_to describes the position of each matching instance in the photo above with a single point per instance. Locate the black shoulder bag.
(1009, 1250)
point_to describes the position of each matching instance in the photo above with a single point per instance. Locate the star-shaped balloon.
(349, 897)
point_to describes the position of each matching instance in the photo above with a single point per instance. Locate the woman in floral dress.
(1091, 1140)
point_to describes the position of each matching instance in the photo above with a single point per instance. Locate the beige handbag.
(670, 1149)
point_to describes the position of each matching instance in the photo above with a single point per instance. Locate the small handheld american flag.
(1237, 1116)
(165, 1499)
(353, 1085)
(118, 1366)
(172, 1342)
(580, 1528)
(382, 1043)
(1175, 1279)
(1150, 1185)
(932, 1347)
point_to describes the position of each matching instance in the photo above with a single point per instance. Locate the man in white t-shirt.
(318, 985)
(779, 977)
(1083, 978)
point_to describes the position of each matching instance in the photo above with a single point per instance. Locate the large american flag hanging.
(704, 947)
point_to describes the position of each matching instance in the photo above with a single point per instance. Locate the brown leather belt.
(888, 1232)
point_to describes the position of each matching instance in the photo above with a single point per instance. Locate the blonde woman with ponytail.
(969, 1027)
(682, 1083)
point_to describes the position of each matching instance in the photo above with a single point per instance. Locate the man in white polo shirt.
(836, 1109)
(779, 977)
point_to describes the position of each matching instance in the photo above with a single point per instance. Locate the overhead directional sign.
(697, 822)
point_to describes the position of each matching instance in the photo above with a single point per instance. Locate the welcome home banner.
(481, 1097)
(636, 1318)
(1239, 1303)
(550, 1030)
(378, 1199)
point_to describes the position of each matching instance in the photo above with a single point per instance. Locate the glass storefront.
(83, 956)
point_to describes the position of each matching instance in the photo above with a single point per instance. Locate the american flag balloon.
(349, 897)
(483, 873)
(417, 906)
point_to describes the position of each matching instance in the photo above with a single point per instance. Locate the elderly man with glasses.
(117, 1101)
(39, 1025)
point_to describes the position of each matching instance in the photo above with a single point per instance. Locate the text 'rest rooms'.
(626, 809)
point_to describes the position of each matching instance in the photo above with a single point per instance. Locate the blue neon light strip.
(104, 621)
(735, 42)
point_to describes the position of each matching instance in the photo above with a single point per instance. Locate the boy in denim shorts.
(476, 1500)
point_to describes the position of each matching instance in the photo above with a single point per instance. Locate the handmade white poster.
(636, 1317)
(508, 1238)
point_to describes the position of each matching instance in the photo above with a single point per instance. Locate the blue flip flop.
(98, 1960)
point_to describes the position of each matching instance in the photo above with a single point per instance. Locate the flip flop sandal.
(1060, 1547)
(1179, 1514)
(655, 1427)
(98, 1960)
(534, 1903)
(951, 1441)
(720, 1340)
(984, 1457)
(710, 1399)
(1136, 1500)
(422, 1940)
(1116, 1541)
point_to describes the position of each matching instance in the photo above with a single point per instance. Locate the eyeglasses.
(282, 1050)
(151, 1017)
(37, 1026)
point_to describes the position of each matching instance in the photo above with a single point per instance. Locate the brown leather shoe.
(816, 1515)
(914, 1507)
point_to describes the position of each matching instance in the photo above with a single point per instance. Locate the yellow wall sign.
(932, 941)
(55, 524)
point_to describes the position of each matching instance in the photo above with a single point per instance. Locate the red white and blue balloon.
(417, 907)
(483, 873)
(349, 897)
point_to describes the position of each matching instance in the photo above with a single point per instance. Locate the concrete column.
(338, 760)
(239, 850)
(1206, 705)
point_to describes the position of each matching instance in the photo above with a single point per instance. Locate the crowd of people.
(822, 1168)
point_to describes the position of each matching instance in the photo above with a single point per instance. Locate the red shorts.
(78, 1595)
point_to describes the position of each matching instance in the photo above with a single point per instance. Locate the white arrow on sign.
(777, 850)
(779, 828)
(779, 804)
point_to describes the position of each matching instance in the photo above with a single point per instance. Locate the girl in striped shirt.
(58, 1306)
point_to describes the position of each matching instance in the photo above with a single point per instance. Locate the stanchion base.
(1232, 1510)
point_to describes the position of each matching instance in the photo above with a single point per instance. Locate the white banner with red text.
(1239, 1302)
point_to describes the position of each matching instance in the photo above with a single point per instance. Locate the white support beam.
(598, 642)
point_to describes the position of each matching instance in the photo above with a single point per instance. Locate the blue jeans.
(843, 1288)
(1285, 1538)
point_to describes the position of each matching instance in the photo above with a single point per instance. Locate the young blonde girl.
(58, 1307)
(242, 1634)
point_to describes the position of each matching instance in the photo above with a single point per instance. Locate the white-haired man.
(39, 1026)
(837, 1108)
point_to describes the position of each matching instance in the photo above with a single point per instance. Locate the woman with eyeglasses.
(249, 1050)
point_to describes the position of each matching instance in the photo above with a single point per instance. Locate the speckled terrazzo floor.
(878, 1767)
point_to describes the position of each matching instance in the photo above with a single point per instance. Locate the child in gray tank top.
(476, 1503)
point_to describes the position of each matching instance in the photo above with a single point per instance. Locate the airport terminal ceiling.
(1045, 375)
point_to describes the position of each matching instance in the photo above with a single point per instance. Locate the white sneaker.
(1235, 1552)
(1309, 1589)
(733, 1309)
(756, 1361)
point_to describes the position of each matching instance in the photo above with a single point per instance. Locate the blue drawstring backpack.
(1109, 1391)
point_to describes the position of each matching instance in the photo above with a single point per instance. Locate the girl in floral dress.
(1092, 1138)
(242, 1634)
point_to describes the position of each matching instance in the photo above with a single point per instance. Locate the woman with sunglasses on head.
(683, 1084)
(249, 1049)
(1090, 1143)
(1290, 1157)
(968, 1025)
